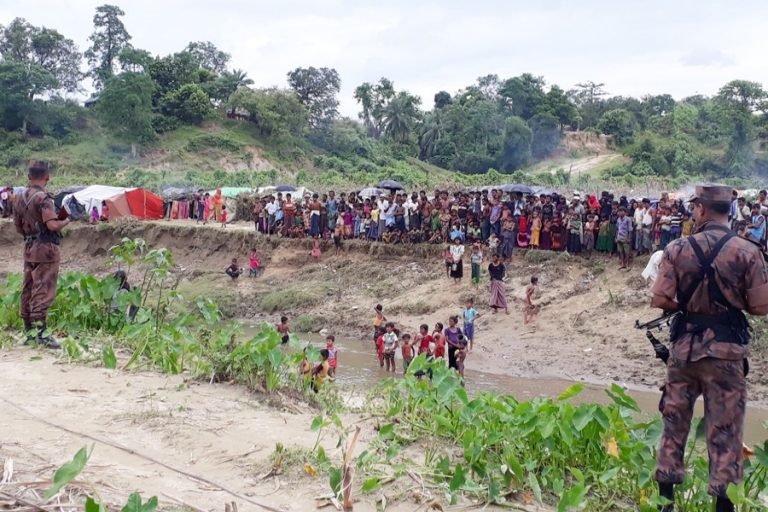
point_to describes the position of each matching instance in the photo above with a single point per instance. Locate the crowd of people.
(503, 221)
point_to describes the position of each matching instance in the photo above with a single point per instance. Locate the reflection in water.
(359, 370)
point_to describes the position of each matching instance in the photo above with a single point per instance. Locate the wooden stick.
(140, 455)
(24, 502)
(346, 489)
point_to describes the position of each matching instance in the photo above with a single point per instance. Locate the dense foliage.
(497, 123)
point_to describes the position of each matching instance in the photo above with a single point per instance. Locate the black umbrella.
(523, 189)
(390, 185)
(285, 188)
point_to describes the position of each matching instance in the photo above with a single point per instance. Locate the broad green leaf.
(109, 358)
(582, 417)
(317, 423)
(371, 484)
(571, 391)
(621, 398)
(67, 473)
(535, 487)
(458, 479)
(573, 498)
(92, 506)
(134, 504)
(335, 476)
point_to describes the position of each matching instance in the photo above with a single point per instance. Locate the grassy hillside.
(229, 152)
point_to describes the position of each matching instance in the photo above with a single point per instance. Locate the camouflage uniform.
(31, 211)
(703, 361)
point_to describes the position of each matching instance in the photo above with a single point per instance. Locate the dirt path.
(219, 432)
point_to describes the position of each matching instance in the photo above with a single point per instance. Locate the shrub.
(287, 298)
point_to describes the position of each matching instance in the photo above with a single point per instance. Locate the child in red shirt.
(380, 347)
(439, 340)
(424, 339)
(224, 216)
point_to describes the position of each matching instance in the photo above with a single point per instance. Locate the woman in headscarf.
(218, 203)
(498, 297)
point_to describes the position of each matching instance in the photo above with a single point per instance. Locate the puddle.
(358, 368)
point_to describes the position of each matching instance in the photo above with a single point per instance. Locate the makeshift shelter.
(139, 203)
(230, 199)
(94, 195)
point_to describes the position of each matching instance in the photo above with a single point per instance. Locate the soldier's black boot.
(43, 340)
(29, 332)
(667, 491)
(723, 505)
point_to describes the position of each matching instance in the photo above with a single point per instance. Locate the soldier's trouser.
(725, 394)
(38, 290)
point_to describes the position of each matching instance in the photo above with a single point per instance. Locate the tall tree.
(135, 60)
(19, 83)
(559, 105)
(545, 134)
(524, 95)
(276, 112)
(316, 89)
(516, 151)
(226, 84)
(208, 56)
(442, 99)
(738, 101)
(400, 116)
(109, 38)
(125, 105)
(588, 97)
(620, 123)
(43, 47)
(373, 99)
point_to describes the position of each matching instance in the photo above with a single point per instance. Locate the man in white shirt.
(271, 208)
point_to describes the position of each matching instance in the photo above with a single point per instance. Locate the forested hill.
(190, 118)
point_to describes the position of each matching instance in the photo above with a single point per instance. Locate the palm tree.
(400, 116)
(430, 133)
(230, 81)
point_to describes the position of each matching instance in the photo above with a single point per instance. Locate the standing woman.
(457, 253)
(218, 203)
(289, 215)
(498, 297)
(452, 334)
(507, 238)
(207, 207)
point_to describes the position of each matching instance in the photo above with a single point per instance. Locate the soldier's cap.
(39, 165)
(712, 193)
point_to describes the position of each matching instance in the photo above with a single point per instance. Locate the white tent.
(94, 195)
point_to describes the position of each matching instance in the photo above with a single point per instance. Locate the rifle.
(661, 350)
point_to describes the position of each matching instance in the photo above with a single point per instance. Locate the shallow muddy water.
(359, 369)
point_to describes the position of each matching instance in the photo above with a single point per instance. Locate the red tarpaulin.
(138, 202)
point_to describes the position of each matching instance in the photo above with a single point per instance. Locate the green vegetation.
(284, 299)
(491, 447)
(188, 119)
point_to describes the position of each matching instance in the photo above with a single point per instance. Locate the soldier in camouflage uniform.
(35, 218)
(710, 277)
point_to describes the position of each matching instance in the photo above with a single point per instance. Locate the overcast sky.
(679, 47)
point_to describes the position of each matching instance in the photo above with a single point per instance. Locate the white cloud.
(682, 48)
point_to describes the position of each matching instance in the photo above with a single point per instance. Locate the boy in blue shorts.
(470, 314)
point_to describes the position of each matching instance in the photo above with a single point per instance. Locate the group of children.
(234, 270)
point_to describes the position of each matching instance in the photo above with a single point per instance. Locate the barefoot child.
(470, 314)
(284, 329)
(223, 215)
(423, 340)
(476, 259)
(378, 321)
(330, 346)
(254, 264)
(233, 270)
(448, 259)
(407, 350)
(390, 347)
(461, 355)
(439, 340)
(380, 347)
(305, 367)
(320, 372)
(531, 309)
(316, 250)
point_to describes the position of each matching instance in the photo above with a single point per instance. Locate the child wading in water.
(531, 309)
(380, 346)
(284, 329)
(390, 346)
(333, 352)
(320, 372)
(378, 321)
(470, 314)
(407, 350)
